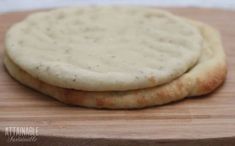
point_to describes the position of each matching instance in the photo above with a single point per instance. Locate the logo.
(21, 134)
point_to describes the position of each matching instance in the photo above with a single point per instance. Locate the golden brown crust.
(211, 80)
(213, 71)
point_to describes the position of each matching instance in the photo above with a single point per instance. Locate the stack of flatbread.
(115, 57)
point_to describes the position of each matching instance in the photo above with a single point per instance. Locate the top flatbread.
(104, 48)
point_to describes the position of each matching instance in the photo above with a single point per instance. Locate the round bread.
(207, 75)
(104, 48)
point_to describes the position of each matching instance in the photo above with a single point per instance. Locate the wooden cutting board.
(207, 120)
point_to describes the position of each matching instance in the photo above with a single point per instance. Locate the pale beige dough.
(104, 48)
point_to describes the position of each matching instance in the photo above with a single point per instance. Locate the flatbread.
(204, 78)
(104, 48)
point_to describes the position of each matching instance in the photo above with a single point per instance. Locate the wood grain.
(207, 120)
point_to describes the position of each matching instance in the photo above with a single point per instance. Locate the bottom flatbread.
(203, 78)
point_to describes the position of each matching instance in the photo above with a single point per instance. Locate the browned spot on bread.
(141, 100)
(135, 92)
(101, 102)
(72, 96)
(162, 94)
(212, 80)
(152, 79)
(179, 89)
(40, 84)
(180, 85)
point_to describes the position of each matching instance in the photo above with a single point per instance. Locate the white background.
(19, 5)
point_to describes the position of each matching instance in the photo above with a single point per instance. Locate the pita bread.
(104, 48)
(206, 76)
